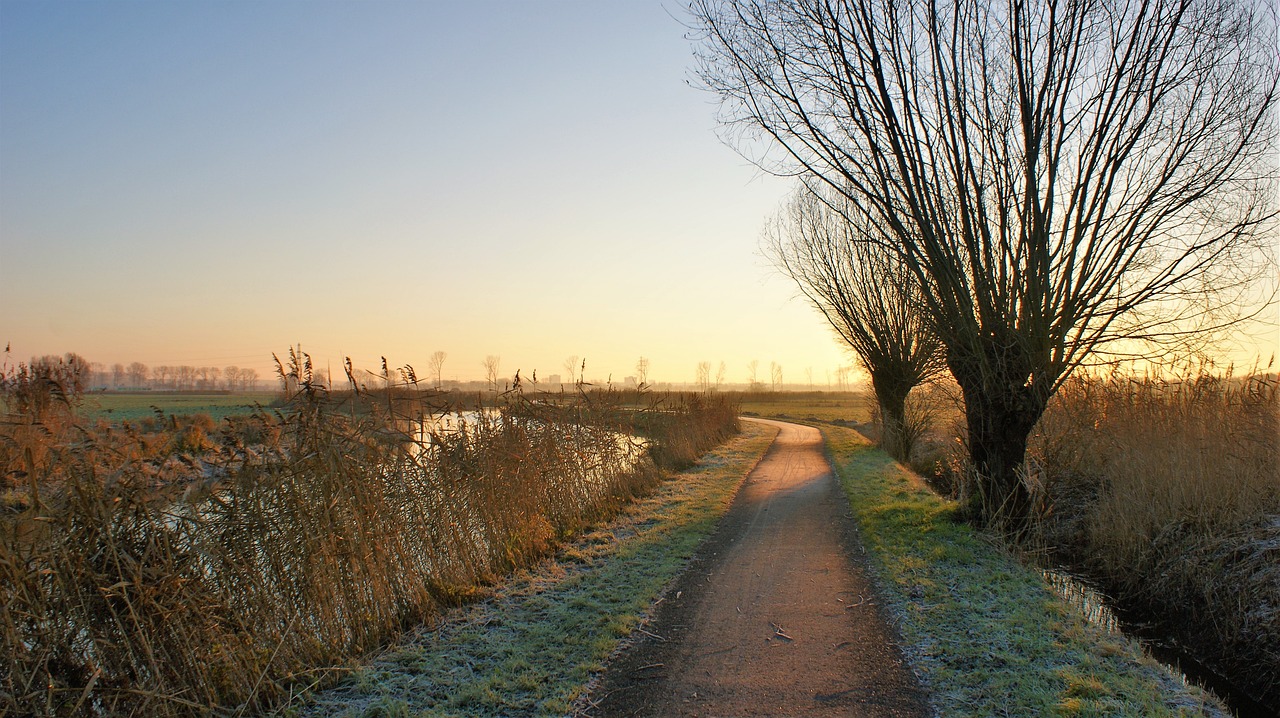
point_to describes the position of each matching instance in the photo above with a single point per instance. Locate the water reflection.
(1090, 603)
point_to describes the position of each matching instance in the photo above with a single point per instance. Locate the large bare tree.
(845, 269)
(1062, 177)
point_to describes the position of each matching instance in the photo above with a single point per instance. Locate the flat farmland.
(132, 406)
(811, 405)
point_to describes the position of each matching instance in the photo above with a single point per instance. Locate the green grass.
(532, 648)
(986, 633)
(123, 407)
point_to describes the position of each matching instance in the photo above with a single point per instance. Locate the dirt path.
(775, 616)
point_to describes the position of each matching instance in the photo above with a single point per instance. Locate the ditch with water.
(1100, 611)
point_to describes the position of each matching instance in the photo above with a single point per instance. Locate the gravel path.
(775, 617)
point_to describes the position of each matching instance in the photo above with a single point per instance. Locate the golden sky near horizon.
(208, 183)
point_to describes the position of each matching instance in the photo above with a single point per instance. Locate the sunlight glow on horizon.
(209, 183)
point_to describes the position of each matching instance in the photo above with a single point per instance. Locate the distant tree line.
(182, 377)
(74, 370)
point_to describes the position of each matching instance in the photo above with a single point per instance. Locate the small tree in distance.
(753, 371)
(492, 364)
(571, 367)
(137, 372)
(435, 364)
(703, 376)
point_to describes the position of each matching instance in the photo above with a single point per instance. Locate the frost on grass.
(986, 635)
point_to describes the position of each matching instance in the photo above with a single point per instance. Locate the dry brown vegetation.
(179, 567)
(1166, 491)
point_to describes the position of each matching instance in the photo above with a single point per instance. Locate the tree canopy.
(1062, 178)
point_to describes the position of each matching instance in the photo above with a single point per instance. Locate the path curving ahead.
(775, 617)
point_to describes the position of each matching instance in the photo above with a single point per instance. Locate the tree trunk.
(892, 399)
(1000, 416)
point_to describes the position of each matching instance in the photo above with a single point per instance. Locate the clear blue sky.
(208, 182)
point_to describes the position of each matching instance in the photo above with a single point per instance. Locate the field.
(837, 406)
(133, 406)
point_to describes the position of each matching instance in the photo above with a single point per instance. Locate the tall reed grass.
(1166, 491)
(180, 569)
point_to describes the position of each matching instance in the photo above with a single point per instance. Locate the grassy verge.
(986, 634)
(533, 647)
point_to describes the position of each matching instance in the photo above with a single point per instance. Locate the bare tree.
(436, 366)
(753, 371)
(642, 371)
(232, 376)
(721, 373)
(117, 375)
(492, 363)
(775, 375)
(96, 375)
(1062, 178)
(842, 376)
(137, 372)
(703, 376)
(571, 367)
(249, 379)
(845, 269)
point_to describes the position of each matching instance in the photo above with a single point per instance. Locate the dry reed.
(1166, 492)
(175, 568)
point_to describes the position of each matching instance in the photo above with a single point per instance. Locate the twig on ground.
(651, 635)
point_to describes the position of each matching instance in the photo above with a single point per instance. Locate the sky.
(207, 183)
